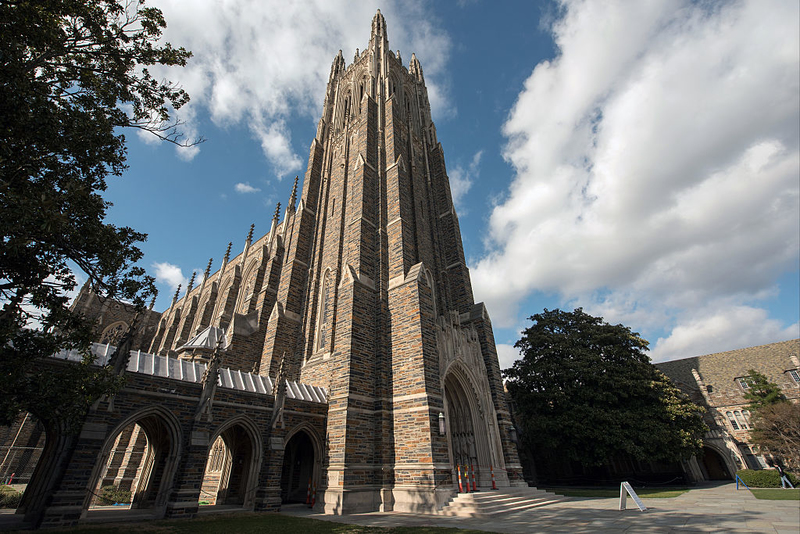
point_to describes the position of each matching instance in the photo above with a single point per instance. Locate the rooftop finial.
(191, 283)
(355, 57)
(250, 233)
(293, 199)
(208, 269)
(228, 252)
(153, 300)
(379, 24)
(277, 213)
(414, 67)
(175, 297)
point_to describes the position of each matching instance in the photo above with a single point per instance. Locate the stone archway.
(147, 444)
(232, 465)
(468, 433)
(713, 465)
(299, 459)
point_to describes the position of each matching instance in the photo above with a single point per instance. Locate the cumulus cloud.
(245, 187)
(258, 62)
(656, 161)
(461, 180)
(717, 329)
(507, 355)
(169, 274)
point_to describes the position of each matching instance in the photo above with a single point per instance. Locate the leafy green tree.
(73, 75)
(760, 391)
(586, 389)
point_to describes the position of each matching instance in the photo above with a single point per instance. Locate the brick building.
(362, 291)
(715, 381)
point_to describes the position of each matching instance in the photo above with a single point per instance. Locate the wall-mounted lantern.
(442, 429)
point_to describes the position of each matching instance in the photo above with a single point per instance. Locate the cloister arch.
(302, 455)
(232, 465)
(150, 439)
(30, 443)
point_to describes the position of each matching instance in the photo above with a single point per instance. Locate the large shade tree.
(73, 76)
(776, 420)
(586, 390)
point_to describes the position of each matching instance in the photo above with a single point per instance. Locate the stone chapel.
(362, 291)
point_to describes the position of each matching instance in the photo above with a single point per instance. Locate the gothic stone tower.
(374, 301)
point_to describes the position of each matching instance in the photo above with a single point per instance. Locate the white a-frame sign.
(625, 489)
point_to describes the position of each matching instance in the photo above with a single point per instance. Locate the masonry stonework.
(362, 291)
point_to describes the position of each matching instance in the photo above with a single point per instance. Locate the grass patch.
(253, 523)
(600, 493)
(776, 494)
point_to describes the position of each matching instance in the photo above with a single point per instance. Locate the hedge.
(764, 478)
(9, 497)
(114, 495)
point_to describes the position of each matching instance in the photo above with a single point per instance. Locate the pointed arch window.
(324, 311)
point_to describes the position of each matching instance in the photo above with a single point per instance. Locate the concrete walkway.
(717, 508)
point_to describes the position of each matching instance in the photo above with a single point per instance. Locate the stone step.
(494, 503)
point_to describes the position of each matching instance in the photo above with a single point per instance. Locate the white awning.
(206, 339)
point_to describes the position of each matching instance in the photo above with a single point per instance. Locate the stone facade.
(361, 289)
(713, 381)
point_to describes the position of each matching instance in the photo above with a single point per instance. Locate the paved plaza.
(714, 508)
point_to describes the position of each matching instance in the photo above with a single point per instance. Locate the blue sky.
(638, 159)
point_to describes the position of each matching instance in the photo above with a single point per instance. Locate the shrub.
(9, 498)
(764, 478)
(114, 495)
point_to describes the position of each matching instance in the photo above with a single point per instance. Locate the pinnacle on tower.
(191, 283)
(355, 57)
(379, 25)
(153, 300)
(276, 216)
(337, 67)
(175, 297)
(414, 67)
(228, 252)
(293, 199)
(208, 269)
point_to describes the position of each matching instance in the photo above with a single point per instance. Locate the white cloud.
(461, 180)
(507, 355)
(245, 187)
(169, 274)
(720, 329)
(656, 162)
(258, 62)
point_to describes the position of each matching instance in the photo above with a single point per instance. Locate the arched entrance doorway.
(714, 465)
(469, 433)
(298, 468)
(231, 469)
(137, 463)
(462, 431)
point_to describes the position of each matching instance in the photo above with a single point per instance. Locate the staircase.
(499, 502)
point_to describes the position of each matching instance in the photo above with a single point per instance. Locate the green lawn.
(776, 494)
(647, 493)
(250, 523)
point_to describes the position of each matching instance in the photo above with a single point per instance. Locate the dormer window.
(794, 375)
(743, 383)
